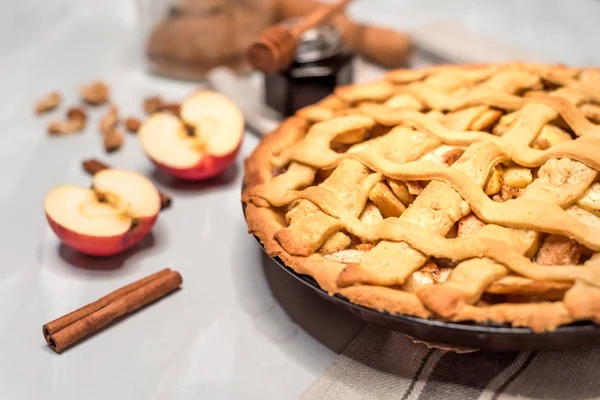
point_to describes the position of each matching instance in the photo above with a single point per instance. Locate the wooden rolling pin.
(386, 47)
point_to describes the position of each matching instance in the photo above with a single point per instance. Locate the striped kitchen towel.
(382, 364)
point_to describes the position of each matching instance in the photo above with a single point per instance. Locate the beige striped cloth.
(382, 364)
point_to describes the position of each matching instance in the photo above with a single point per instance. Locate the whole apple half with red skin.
(202, 143)
(114, 215)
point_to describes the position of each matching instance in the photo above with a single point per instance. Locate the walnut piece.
(132, 124)
(76, 113)
(76, 118)
(48, 102)
(113, 140)
(173, 108)
(96, 93)
(66, 127)
(152, 104)
(110, 120)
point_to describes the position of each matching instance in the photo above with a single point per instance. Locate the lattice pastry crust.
(460, 193)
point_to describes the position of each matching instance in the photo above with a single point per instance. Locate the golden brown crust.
(313, 184)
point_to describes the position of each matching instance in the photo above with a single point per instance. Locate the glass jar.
(322, 62)
(185, 39)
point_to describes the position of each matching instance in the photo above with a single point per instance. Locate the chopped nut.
(110, 120)
(152, 104)
(132, 124)
(66, 127)
(76, 119)
(173, 108)
(96, 93)
(48, 102)
(76, 113)
(113, 140)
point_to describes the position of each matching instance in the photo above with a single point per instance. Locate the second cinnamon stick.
(93, 166)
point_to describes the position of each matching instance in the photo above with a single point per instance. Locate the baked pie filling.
(459, 193)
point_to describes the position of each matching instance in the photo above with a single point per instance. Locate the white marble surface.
(225, 335)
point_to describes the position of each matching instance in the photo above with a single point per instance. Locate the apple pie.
(464, 193)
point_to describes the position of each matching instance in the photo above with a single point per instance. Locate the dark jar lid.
(318, 43)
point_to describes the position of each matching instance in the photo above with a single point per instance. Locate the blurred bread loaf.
(199, 35)
(203, 34)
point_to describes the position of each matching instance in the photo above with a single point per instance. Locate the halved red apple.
(114, 215)
(202, 143)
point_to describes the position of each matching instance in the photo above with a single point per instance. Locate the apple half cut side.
(111, 217)
(201, 144)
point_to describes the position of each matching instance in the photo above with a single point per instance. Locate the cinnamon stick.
(93, 166)
(84, 322)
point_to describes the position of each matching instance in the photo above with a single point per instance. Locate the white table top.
(226, 334)
(223, 335)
